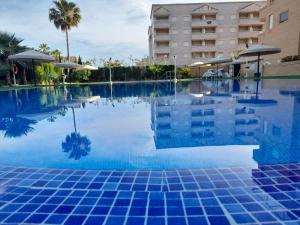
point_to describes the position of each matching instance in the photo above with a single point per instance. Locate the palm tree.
(65, 15)
(9, 44)
(56, 54)
(44, 48)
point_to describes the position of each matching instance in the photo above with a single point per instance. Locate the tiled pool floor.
(265, 195)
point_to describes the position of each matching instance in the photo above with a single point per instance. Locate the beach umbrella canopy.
(68, 65)
(33, 57)
(259, 50)
(87, 67)
(30, 55)
(197, 64)
(218, 60)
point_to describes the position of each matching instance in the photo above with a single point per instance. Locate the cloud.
(109, 28)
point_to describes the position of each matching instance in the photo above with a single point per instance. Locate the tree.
(56, 54)
(9, 44)
(44, 48)
(65, 15)
(156, 69)
(79, 60)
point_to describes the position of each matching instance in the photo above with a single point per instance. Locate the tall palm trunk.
(68, 47)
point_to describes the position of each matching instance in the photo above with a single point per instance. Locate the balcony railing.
(198, 35)
(162, 37)
(162, 50)
(248, 34)
(204, 23)
(161, 23)
(250, 21)
(204, 48)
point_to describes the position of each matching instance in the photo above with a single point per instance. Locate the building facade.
(282, 27)
(197, 32)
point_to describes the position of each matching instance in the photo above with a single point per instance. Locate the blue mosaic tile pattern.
(267, 195)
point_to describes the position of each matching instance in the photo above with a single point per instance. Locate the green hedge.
(153, 72)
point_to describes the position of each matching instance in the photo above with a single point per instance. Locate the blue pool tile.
(155, 221)
(243, 218)
(252, 207)
(284, 215)
(37, 218)
(75, 220)
(218, 220)
(176, 220)
(135, 221)
(82, 210)
(11, 208)
(64, 209)
(197, 221)
(94, 220)
(100, 210)
(17, 218)
(47, 208)
(175, 211)
(156, 211)
(194, 211)
(115, 220)
(3, 216)
(137, 211)
(213, 211)
(119, 211)
(264, 217)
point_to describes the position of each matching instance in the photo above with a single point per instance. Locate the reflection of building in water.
(280, 141)
(189, 120)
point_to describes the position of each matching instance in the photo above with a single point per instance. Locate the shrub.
(47, 72)
(184, 72)
(80, 76)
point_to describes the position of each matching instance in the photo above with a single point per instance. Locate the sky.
(109, 28)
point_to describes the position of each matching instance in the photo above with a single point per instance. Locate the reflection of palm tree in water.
(76, 145)
(15, 126)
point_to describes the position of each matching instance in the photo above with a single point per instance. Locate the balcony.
(250, 21)
(161, 23)
(204, 23)
(162, 50)
(207, 36)
(249, 34)
(201, 48)
(162, 37)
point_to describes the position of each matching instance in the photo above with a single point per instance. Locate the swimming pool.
(155, 126)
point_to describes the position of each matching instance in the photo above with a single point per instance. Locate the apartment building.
(282, 26)
(197, 32)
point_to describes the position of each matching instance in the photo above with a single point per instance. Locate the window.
(271, 20)
(283, 17)
(186, 18)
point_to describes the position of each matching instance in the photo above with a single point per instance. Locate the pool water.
(155, 126)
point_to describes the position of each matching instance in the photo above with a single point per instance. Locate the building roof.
(200, 3)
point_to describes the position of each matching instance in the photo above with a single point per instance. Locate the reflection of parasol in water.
(255, 101)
